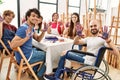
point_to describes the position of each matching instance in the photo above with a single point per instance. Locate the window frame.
(75, 6)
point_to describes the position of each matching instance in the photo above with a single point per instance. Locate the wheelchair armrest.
(82, 52)
(80, 46)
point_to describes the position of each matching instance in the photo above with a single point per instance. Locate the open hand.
(79, 29)
(50, 23)
(29, 33)
(1, 19)
(105, 33)
(67, 24)
(45, 26)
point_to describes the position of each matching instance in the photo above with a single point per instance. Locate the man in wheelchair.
(94, 43)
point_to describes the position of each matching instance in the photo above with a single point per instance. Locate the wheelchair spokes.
(90, 73)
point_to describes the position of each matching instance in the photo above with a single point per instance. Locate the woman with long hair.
(72, 26)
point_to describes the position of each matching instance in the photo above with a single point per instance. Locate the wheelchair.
(89, 72)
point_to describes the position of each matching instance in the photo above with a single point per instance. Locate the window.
(8, 5)
(47, 8)
(100, 4)
(48, 1)
(74, 6)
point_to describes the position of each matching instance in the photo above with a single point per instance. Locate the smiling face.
(8, 16)
(55, 17)
(94, 27)
(74, 19)
(32, 16)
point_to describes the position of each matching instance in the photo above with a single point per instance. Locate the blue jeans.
(38, 56)
(70, 56)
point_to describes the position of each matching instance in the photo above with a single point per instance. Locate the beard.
(94, 31)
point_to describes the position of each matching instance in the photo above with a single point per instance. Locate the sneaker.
(51, 77)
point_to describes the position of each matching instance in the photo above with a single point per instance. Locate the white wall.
(10, 5)
(61, 6)
(112, 10)
(25, 5)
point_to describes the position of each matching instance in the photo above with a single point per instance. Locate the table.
(53, 50)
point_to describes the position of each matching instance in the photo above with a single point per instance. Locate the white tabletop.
(53, 50)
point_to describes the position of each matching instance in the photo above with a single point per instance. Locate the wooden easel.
(115, 24)
(65, 17)
(90, 16)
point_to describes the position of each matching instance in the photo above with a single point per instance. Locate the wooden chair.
(2, 53)
(2, 57)
(24, 64)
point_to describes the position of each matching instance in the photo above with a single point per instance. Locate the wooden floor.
(114, 73)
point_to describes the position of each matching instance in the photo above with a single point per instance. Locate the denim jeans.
(70, 56)
(38, 56)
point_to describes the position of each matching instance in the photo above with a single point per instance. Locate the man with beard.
(94, 43)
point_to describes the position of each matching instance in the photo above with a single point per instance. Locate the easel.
(115, 24)
(65, 17)
(90, 16)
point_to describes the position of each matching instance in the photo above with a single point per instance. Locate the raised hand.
(1, 19)
(105, 33)
(50, 23)
(67, 24)
(45, 26)
(79, 29)
(29, 34)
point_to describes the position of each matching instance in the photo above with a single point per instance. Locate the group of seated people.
(23, 37)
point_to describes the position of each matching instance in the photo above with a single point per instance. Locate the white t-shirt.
(93, 45)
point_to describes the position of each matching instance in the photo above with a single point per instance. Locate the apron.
(55, 30)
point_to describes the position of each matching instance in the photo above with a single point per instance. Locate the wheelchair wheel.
(90, 73)
(105, 67)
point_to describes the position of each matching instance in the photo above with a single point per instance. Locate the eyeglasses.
(93, 25)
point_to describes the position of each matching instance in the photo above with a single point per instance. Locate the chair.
(24, 64)
(3, 55)
(89, 72)
(3, 49)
